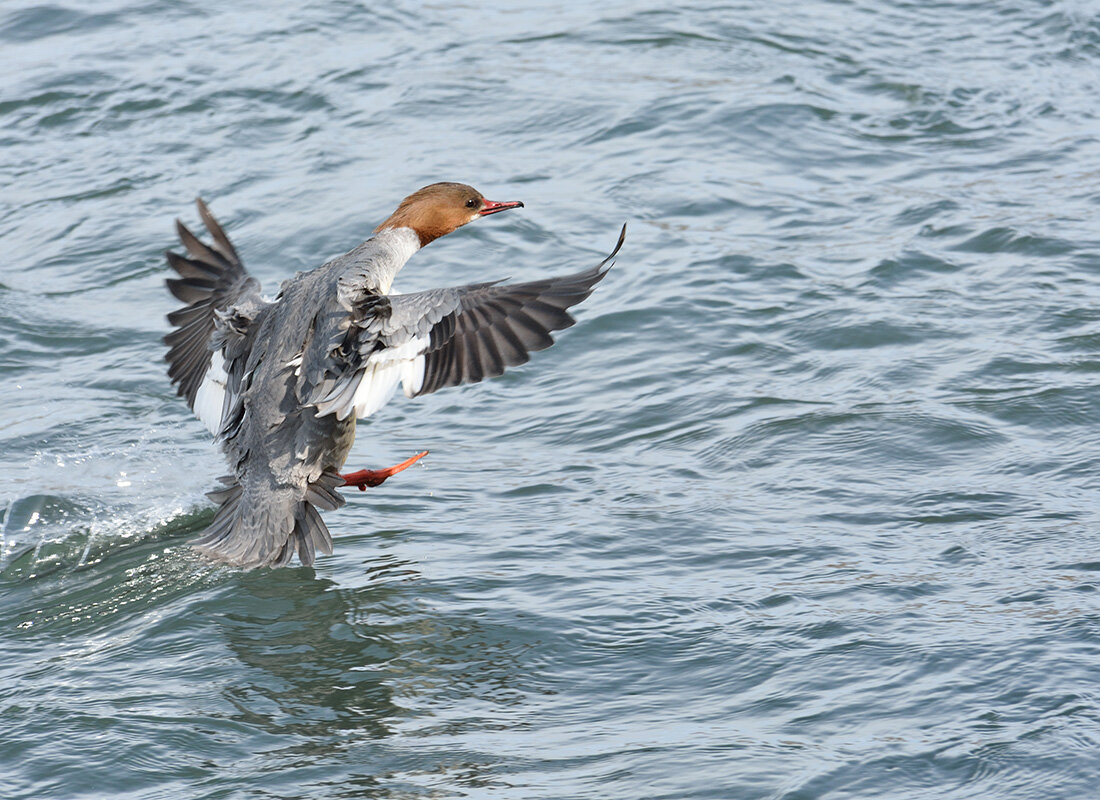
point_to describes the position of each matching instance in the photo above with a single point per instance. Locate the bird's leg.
(373, 477)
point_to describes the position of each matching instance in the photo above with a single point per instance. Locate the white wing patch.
(376, 387)
(384, 371)
(412, 376)
(210, 398)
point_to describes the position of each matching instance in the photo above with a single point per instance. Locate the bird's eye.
(473, 202)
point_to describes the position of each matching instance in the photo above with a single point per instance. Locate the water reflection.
(312, 674)
(333, 673)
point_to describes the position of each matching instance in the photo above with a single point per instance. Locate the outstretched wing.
(222, 299)
(446, 337)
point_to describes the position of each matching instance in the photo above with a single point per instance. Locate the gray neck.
(374, 264)
(396, 246)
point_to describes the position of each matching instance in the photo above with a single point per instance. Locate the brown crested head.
(440, 208)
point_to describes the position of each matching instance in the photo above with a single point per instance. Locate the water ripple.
(802, 507)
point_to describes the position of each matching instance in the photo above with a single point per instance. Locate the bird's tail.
(265, 529)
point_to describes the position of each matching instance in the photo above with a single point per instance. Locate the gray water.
(805, 506)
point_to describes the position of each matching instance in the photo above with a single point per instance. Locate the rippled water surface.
(805, 506)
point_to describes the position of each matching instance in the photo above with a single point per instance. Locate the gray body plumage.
(281, 383)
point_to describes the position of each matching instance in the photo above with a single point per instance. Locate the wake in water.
(42, 534)
(99, 502)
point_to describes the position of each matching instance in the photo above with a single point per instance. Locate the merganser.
(281, 383)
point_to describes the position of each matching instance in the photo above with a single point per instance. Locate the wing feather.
(215, 287)
(489, 327)
(444, 337)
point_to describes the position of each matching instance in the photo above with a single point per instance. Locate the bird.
(280, 383)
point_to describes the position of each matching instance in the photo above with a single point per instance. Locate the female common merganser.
(281, 383)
